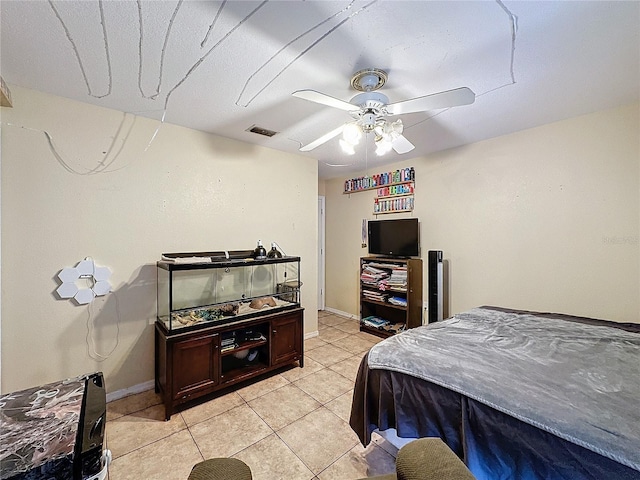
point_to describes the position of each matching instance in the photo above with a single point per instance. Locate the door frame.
(321, 251)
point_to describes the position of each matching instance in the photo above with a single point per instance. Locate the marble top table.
(38, 430)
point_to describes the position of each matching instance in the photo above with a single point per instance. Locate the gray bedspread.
(580, 382)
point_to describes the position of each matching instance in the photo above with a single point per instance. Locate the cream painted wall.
(321, 187)
(545, 219)
(190, 191)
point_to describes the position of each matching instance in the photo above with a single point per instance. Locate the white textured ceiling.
(222, 67)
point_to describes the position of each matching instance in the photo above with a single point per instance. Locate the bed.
(515, 394)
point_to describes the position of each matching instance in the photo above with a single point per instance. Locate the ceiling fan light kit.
(347, 147)
(351, 133)
(382, 146)
(370, 108)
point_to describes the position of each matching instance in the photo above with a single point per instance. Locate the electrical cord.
(91, 349)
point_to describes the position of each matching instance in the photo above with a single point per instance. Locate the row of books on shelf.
(382, 324)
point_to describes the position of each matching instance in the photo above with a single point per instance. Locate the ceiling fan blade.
(323, 99)
(325, 138)
(402, 145)
(450, 98)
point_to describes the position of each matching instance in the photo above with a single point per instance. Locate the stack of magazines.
(374, 322)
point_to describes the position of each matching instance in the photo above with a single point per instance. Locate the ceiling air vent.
(261, 131)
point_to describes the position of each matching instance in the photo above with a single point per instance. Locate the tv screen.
(394, 238)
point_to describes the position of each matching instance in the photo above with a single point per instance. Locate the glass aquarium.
(197, 290)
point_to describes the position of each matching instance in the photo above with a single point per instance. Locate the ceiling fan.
(369, 110)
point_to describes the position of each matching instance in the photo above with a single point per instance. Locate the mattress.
(532, 390)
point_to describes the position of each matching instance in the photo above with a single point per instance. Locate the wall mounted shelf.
(362, 184)
(394, 199)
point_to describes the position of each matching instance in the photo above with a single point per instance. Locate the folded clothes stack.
(372, 276)
(398, 301)
(374, 295)
(398, 278)
(374, 322)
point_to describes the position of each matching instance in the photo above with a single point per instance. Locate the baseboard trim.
(309, 335)
(125, 392)
(342, 314)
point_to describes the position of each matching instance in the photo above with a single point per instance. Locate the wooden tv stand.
(193, 364)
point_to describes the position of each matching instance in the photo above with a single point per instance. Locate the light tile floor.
(293, 425)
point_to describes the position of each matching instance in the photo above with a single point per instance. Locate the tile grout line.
(192, 438)
(153, 442)
(321, 405)
(275, 432)
(134, 411)
(315, 475)
(295, 454)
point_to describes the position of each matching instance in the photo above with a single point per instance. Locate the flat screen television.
(394, 238)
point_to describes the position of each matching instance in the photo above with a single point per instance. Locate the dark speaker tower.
(435, 295)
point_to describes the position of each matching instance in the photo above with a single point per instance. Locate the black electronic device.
(435, 289)
(394, 238)
(91, 428)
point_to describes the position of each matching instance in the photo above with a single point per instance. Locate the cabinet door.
(286, 339)
(195, 366)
